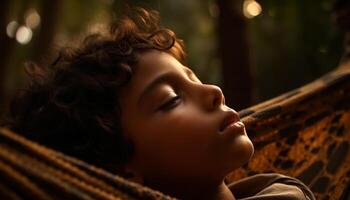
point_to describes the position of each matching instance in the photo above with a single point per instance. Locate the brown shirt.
(270, 186)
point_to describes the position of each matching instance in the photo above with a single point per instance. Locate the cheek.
(178, 136)
(188, 124)
(176, 131)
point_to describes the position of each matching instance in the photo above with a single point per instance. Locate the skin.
(175, 129)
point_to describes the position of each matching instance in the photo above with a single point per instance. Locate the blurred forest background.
(253, 49)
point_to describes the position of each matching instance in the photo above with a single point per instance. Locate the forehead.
(150, 65)
(153, 62)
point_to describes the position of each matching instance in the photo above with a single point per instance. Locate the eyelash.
(173, 102)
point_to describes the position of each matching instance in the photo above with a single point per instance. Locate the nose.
(211, 97)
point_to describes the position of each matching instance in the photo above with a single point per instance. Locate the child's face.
(174, 123)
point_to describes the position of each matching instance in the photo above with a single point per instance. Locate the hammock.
(304, 133)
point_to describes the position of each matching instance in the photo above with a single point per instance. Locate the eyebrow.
(163, 78)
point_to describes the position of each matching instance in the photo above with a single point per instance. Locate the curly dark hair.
(72, 105)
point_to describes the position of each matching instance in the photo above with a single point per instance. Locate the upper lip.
(230, 117)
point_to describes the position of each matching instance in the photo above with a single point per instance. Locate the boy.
(127, 102)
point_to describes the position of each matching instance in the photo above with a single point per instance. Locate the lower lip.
(235, 128)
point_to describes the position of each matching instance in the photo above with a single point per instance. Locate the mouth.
(232, 119)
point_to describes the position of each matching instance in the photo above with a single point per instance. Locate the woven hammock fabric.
(304, 133)
(31, 171)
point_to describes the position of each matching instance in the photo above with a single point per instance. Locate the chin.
(243, 150)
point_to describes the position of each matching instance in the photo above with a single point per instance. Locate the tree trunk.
(233, 49)
(341, 16)
(50, 13)
(7, 45)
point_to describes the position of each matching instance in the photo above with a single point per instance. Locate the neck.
(197, 190)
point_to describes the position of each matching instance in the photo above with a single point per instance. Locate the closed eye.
(172, 103)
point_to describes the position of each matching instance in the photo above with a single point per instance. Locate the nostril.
(213, 96)
(216, 101)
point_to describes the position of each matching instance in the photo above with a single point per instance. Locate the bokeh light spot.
(11, 29)
(251, 8)
(24, 35)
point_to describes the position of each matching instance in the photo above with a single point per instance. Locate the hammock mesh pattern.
(304, 133)
(31, 171)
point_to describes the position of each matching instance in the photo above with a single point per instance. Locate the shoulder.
(270, 186)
